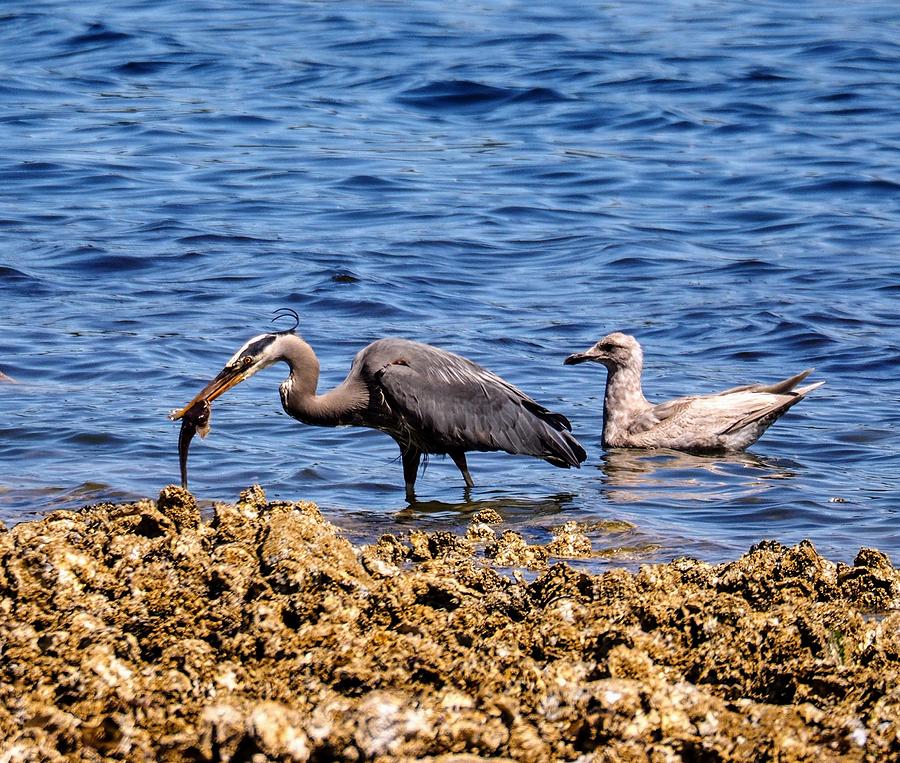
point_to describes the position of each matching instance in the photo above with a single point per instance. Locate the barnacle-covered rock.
(141, 632)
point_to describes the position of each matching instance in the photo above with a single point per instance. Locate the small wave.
(97, 34)
(233, 119)
(751, 267)
(11, 274)
(89, 261)
(850, 185)
(764, 74)
(222, 238)
(468, 96)
(138, 68)
(369, 182)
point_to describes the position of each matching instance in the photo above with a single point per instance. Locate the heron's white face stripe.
(253, 348)
(256, 354)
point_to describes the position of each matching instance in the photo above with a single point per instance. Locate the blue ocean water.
(509, 181)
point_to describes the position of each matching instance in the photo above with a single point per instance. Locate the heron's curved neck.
(298, 391)
(624, 398)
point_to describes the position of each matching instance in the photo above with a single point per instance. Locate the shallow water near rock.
(510, 183)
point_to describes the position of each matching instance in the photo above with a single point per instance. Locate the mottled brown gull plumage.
(724, 421)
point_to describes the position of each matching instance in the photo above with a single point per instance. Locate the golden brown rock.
(179, 506)
(138, 632)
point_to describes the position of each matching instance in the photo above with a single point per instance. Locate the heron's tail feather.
(563, 450)
(558, 446)
(556, 420)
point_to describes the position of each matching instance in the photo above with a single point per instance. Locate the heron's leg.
(411, 457)
(459, 458)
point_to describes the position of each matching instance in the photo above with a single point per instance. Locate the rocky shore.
(140, 632)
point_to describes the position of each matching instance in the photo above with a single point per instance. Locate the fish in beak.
(196, 414)
(195, 419)
(255, 355)
(230, 376)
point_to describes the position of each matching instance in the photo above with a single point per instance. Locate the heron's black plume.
(286, 312)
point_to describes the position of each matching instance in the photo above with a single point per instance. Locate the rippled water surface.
(509, 181)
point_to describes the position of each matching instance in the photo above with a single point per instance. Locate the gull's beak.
(227, 378)
(578, 357)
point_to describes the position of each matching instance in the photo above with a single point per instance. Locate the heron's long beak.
(227, 378)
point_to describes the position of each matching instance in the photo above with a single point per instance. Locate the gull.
(724, 421)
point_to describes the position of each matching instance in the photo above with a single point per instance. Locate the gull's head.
(616, 350)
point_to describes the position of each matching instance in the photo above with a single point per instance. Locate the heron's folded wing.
(456, 404)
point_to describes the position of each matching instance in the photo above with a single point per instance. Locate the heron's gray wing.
(451, 403)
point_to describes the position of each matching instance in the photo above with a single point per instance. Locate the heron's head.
(616, 350)
(256, 354)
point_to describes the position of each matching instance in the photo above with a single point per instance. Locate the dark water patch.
(358, 307)
(10, 275)
(367, 45)
(97, 34)
(765, 74)
(877, 186)
(165, 226)
(839, 97)
(13, 90)
(464, 96)
(866, 436)
(852, 112)
(142, 68)
(756, 216)
(453, 246)
(222, 238)
(523, 40)
(752, 267)
(250, 120)
(96, 263)
(370, 182)
(95, 438)
(23, 169)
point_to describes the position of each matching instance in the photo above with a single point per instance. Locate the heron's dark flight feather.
(448, 403)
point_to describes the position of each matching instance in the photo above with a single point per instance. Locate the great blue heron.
(429, 400)
(724, 421)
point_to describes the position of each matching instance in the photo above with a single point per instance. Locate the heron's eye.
(246, 361)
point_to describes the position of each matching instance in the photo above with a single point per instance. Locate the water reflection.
(639, 475)
(510, 509)
(19, 503)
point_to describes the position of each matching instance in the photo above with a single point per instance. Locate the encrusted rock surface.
(139, 632)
